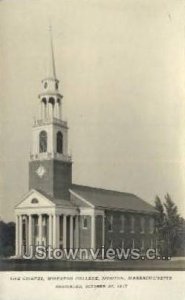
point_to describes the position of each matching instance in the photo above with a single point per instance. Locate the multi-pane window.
(132, 224)
(110, 223)
(142, 224)
(84, 223)
(122, 221)
(43, 141)
(151, 225)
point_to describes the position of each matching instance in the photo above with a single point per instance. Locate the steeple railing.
(45, 121)
(48, 155)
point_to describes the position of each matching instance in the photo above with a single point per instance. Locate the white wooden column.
(40, 229)
(47, 109)
(64, 231)
(20, 235)
(50, 110)
(71, 232)
(26, 234)
(76, 232)
(54, 231)
(17, 236)
(57, 230)
(41, 109)
(30, 231)
(59, 110)
(50, 231)
(55, 113)
(93, 231)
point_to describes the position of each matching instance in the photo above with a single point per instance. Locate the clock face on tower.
(41, 171)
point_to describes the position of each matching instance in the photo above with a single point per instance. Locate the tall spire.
(52, 70)
(51, 99)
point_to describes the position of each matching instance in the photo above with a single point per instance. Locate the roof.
(108, 199)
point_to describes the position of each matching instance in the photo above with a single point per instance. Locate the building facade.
(57, 213)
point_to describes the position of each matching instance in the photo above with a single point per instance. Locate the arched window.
(34, 201)
(43, 142)
(59, 142)
(52, 100)
(44, 100)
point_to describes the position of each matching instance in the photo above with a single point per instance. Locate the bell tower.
(50, 166)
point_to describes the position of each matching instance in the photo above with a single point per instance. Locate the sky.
(121, 66)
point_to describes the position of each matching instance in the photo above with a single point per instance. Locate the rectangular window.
(84, 222)
(132, 225)
(142, 224)
(122, 221)
(151, 225)
(110, 223)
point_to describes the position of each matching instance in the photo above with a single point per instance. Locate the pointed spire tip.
(52, 58)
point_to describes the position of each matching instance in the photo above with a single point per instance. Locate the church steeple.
(52, 69)
(50, 168)
(50, 97)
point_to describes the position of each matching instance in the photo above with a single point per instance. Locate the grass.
(61, 265)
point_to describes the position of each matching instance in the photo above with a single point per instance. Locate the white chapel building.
(57, 213)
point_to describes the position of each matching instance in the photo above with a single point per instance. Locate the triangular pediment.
(35, 199)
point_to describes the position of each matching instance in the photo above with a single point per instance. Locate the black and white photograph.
(92, 185)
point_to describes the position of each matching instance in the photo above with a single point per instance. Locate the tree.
(161, 215)
(170, 226)
(7, 239)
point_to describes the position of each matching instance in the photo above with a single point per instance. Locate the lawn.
(61, 265)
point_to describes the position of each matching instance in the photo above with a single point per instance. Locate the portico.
(55, 230)
(40, 221)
